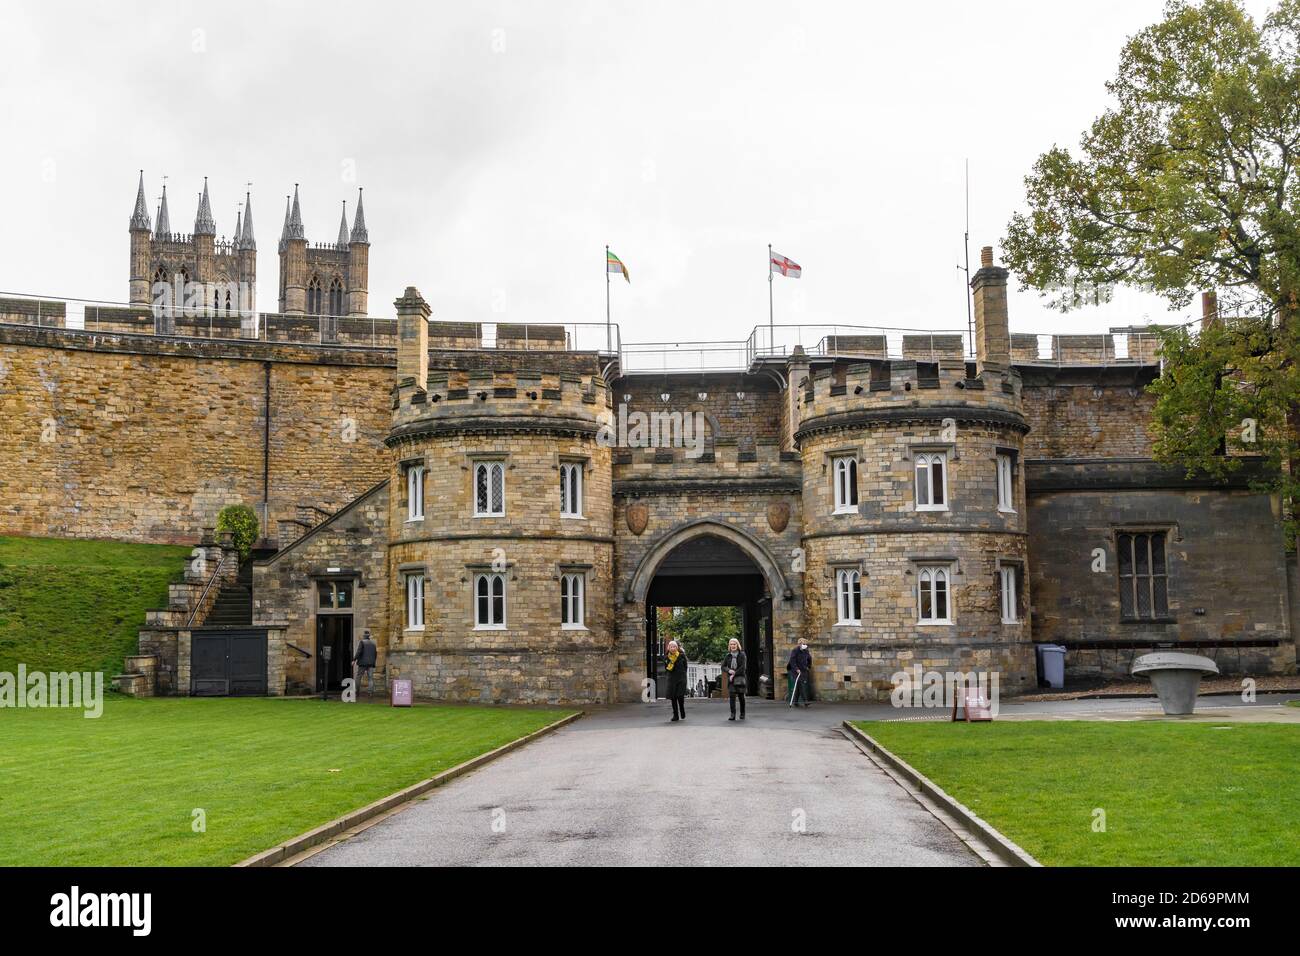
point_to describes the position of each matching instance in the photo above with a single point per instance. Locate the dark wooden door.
(228, 662)
(335, 632)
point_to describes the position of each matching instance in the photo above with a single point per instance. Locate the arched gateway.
(707, 563)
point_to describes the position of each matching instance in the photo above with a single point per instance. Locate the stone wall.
(740, 408)
(1227, 577)
(146, 439)
(1088, 413)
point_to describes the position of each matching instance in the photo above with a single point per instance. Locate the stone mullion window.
(844, 472)
(489, 489)
(414, 601)
(1006, 482)
(573, 588)
(931, 481)
(490, 601)
(571, 489)
(1143, 575)
(848, 596)
(1009, 593)
(415, 493)
(933, 594)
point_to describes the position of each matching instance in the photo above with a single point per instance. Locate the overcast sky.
(502, 145)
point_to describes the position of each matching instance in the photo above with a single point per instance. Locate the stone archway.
(778, 587)
(704, 562)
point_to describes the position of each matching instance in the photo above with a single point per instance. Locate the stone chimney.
(412, 338)
(797, 370)
(1209, 309)
(992, 330)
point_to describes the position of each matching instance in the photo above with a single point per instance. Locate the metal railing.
(778, 342)
(644, 358)
(206, 322)
(764, 343)
(203, 596)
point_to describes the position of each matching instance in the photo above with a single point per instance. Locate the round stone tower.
(500, 526)
(914, 514)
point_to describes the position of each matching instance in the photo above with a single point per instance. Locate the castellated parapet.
(494, 541)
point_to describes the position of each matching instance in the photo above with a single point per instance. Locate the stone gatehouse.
(495, 513)
(893, 511)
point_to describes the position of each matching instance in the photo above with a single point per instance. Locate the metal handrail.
(206, 588)
(261, 326)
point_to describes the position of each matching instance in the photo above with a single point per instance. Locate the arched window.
(846, 484)
(336, 297)
(571, 490)
(228, 309)
(489, 600)
(848, 596)
(932, 596)
(572, 603)
(932, 482)
(490, 489)
(216, 302)
(314, 296)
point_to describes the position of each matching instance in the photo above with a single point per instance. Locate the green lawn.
(121, 789)
(1174, 794)
(72, 604)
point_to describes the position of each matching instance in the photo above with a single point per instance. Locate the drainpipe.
(266, 450)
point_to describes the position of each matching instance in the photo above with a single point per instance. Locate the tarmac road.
(624, 786)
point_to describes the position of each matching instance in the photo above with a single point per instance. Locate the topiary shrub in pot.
(241, 522)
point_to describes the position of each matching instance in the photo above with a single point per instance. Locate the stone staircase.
(210, 571)
(233, 606)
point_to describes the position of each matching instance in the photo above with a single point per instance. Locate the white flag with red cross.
(786, 266)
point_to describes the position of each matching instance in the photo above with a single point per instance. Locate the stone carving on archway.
(778, 515)
(638, 515)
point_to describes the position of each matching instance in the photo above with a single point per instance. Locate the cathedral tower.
(218, 276)
(328, 279)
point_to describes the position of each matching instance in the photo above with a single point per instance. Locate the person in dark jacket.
(364, 659)
(800, 670)
(737, 677)
(677, 679)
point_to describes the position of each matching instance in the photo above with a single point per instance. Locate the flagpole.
(609, 346)
(771, 331)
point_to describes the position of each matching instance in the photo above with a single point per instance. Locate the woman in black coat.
(733, 663)
(677, 679)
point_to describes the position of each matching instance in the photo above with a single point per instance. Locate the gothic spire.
(204, 224)
(284, 232)
(164, 224)
(140, 218)
(296, 230)
(246, 239)
(343, 227)
(359, 233)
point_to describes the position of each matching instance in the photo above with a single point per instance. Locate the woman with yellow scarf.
(677, 679)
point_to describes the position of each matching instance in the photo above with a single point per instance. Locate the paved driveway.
(623, 786)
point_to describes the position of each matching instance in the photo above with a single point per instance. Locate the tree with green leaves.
(703, 632)
(1190, 182)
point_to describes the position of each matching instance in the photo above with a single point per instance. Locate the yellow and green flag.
(614, 264)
